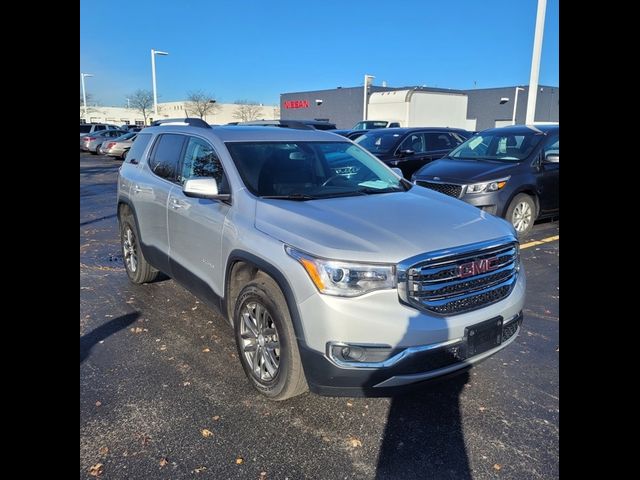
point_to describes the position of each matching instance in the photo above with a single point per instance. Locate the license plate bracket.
(483, 336)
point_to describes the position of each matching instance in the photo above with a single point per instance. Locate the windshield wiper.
(292, 196)
(373, 191)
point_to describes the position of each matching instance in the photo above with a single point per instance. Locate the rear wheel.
(266, 341)
(138, 269)
(522, 213)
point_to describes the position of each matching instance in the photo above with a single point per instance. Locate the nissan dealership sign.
(296, 104)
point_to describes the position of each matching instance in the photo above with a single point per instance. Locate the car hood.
(465, 171)
(377, 228)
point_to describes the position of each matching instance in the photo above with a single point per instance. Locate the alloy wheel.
(260, 341)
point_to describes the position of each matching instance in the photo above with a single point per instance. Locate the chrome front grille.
(459, 280)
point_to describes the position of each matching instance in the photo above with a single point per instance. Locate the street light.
(153, 78)
(535, 62)
(84, 95)
(515, 105)
(367, 82)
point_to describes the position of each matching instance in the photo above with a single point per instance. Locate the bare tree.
(142, 101)
(201, 104)
(247, 110)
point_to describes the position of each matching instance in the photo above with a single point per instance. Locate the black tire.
(289, 380)
(124, 155)
(521, 214)
(95, 152)
(139, 271)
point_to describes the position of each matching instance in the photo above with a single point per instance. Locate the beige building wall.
(122, 115)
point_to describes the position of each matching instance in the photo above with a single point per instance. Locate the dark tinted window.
(456, 138)
(378, 141)
(85, 128)
(323, 126)
(201, 160)
(100, 127)
(439, 141)
(414, 142)
(138, 147)
(553, 145)
(166, 156)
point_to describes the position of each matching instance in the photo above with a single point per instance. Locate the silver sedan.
(91, 142)
(118, 147)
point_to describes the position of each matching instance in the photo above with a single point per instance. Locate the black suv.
(410, 148)
(512, 172)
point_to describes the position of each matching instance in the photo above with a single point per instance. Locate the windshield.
(369, 125)
(310, 170)
(378, 141)
(498, 146)
(85, 128)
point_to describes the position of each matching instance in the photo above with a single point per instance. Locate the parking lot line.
(539, 242)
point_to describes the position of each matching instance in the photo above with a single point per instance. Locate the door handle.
(176, 204)
(137, 189)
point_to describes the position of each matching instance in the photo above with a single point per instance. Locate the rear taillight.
(110, 144)
(89, 139)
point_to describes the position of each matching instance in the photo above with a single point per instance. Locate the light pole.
(367, 82)
(535, 62)
(128, 103)
(84, 95)
(515, 105)
(153, 78)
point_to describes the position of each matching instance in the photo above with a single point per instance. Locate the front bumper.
(419, 365)
(494, 203)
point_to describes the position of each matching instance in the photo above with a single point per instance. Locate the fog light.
(345, 353)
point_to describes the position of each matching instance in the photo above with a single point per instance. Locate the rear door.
(196, 224)
(150, 191)
(416, 143)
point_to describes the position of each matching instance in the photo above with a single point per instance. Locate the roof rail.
(298, 125)
(193, 122)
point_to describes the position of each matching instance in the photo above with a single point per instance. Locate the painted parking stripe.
(539, 242)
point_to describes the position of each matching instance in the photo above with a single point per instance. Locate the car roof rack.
(192, 122)
(278, 123)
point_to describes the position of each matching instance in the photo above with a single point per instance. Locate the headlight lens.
(492, 186)
(344, 279)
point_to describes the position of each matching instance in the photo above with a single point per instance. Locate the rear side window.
(138, 147)
(99, 127)
(85, 128)
(166, 156)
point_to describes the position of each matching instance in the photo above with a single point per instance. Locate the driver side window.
(200, 160)
(414, 142)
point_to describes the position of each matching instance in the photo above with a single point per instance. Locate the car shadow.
(423, 437)
(103, 331)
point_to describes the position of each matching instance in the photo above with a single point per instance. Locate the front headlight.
(345, 279)
(491, 186)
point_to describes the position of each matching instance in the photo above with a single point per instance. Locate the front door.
(549, 186)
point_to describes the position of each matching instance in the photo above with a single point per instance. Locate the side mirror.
(406, 153)
(398, 171)
(203, 188)
(552, 158)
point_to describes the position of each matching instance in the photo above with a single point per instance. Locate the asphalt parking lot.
(157, 367)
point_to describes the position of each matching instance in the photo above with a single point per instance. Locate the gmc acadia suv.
(336, 274)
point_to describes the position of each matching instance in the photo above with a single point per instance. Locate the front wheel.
(522, 213)
(266, 341)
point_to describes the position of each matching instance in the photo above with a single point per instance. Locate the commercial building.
(475, 109)
(224, 113)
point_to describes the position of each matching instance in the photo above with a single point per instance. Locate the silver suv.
(336, 274)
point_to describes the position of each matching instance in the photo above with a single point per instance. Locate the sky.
(256, 50)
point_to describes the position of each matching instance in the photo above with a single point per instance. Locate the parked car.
(364, 126)
(373, 124)
(118, 147)
(411, 148)
(131, 128)
(89, 128)
(315, 124)
(341, 284)
(512, 172)
(90, 143)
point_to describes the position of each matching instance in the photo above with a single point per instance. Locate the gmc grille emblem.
(477, 267)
